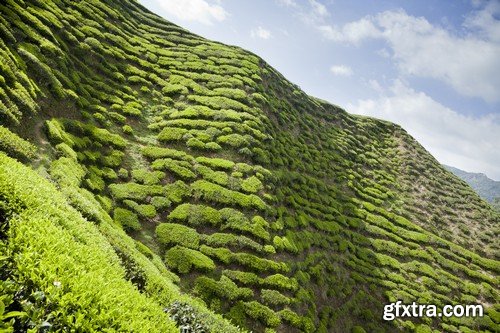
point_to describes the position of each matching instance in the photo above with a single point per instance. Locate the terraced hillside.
(164, 182)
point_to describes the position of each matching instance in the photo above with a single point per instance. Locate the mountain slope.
(238, 193)
(487, 188)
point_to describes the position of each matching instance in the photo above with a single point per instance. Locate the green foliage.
(147, 178)
(159, 152)
(233, 140)
(280, 281)
(177, 191)
(195, 215)
(134, 191)
(160, 202)
(224, 288)
(183, 260)
(127, 219)
(216, 193)
(171, 134)
(187, 317)
(177, 234)
(215, 163)
(252, 185)
(67, 172)
(46, 235)
(127, 129)
(144, 211)
(178, 168)
(222, 254)
(13, 145)
(237, 241)
(263, 313)
(274, 298)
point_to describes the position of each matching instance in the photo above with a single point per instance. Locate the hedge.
(177, 234)
(182, 260)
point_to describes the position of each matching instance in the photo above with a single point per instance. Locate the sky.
(432, 67)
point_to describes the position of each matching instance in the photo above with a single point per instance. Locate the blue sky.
(431, 66)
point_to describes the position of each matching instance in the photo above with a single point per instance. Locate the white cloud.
(375, 85)
(352, 32)
(201, 11)
(468, 63)
(484, 21)
(261, 33)
(318, 9)
(288, 3)
(314, 13)
(341, 70)
(454, 139)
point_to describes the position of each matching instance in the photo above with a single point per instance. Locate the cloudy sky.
(431, 66)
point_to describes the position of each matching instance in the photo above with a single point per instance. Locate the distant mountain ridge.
(486, 187)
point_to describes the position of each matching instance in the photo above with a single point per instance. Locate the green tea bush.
(145, 211)
(127, 219)
(222, 254)
(178, 168)
(187, 318)
(216, 193)
(218, 177)
(160, 203)
(134, 191)
(112, 160)
(246, 278)
(171, 134)
(252, 185)
(174, 89)
(261, 312)
(182, 260)
(146, 177)
(127, 129)
(78, 270)
(274, 298)
(14, 145)
(236, 241)
(280, 281)
(160, 152)
(177, 191)
(215, 163)
(195, 215)
(177, 234)
(224, 288)
(233, 140)
(259, 264)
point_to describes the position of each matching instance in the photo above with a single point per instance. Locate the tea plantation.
(155, 181)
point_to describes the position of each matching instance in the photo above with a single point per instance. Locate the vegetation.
(185, 185)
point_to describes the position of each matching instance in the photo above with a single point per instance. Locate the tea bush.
(127, 219)
(182, 260)
(177, 234)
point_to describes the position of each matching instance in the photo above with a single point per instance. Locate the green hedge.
(128, 219)
(195, 215)
(48, 242)
(224, 288)
(216, 193)
(14, 145)
(182, 260)
(261, 312)
(177, 234)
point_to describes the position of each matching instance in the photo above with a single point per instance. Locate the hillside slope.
(164, 171)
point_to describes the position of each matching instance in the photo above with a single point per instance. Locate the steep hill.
(487, 188)
(153, 180)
